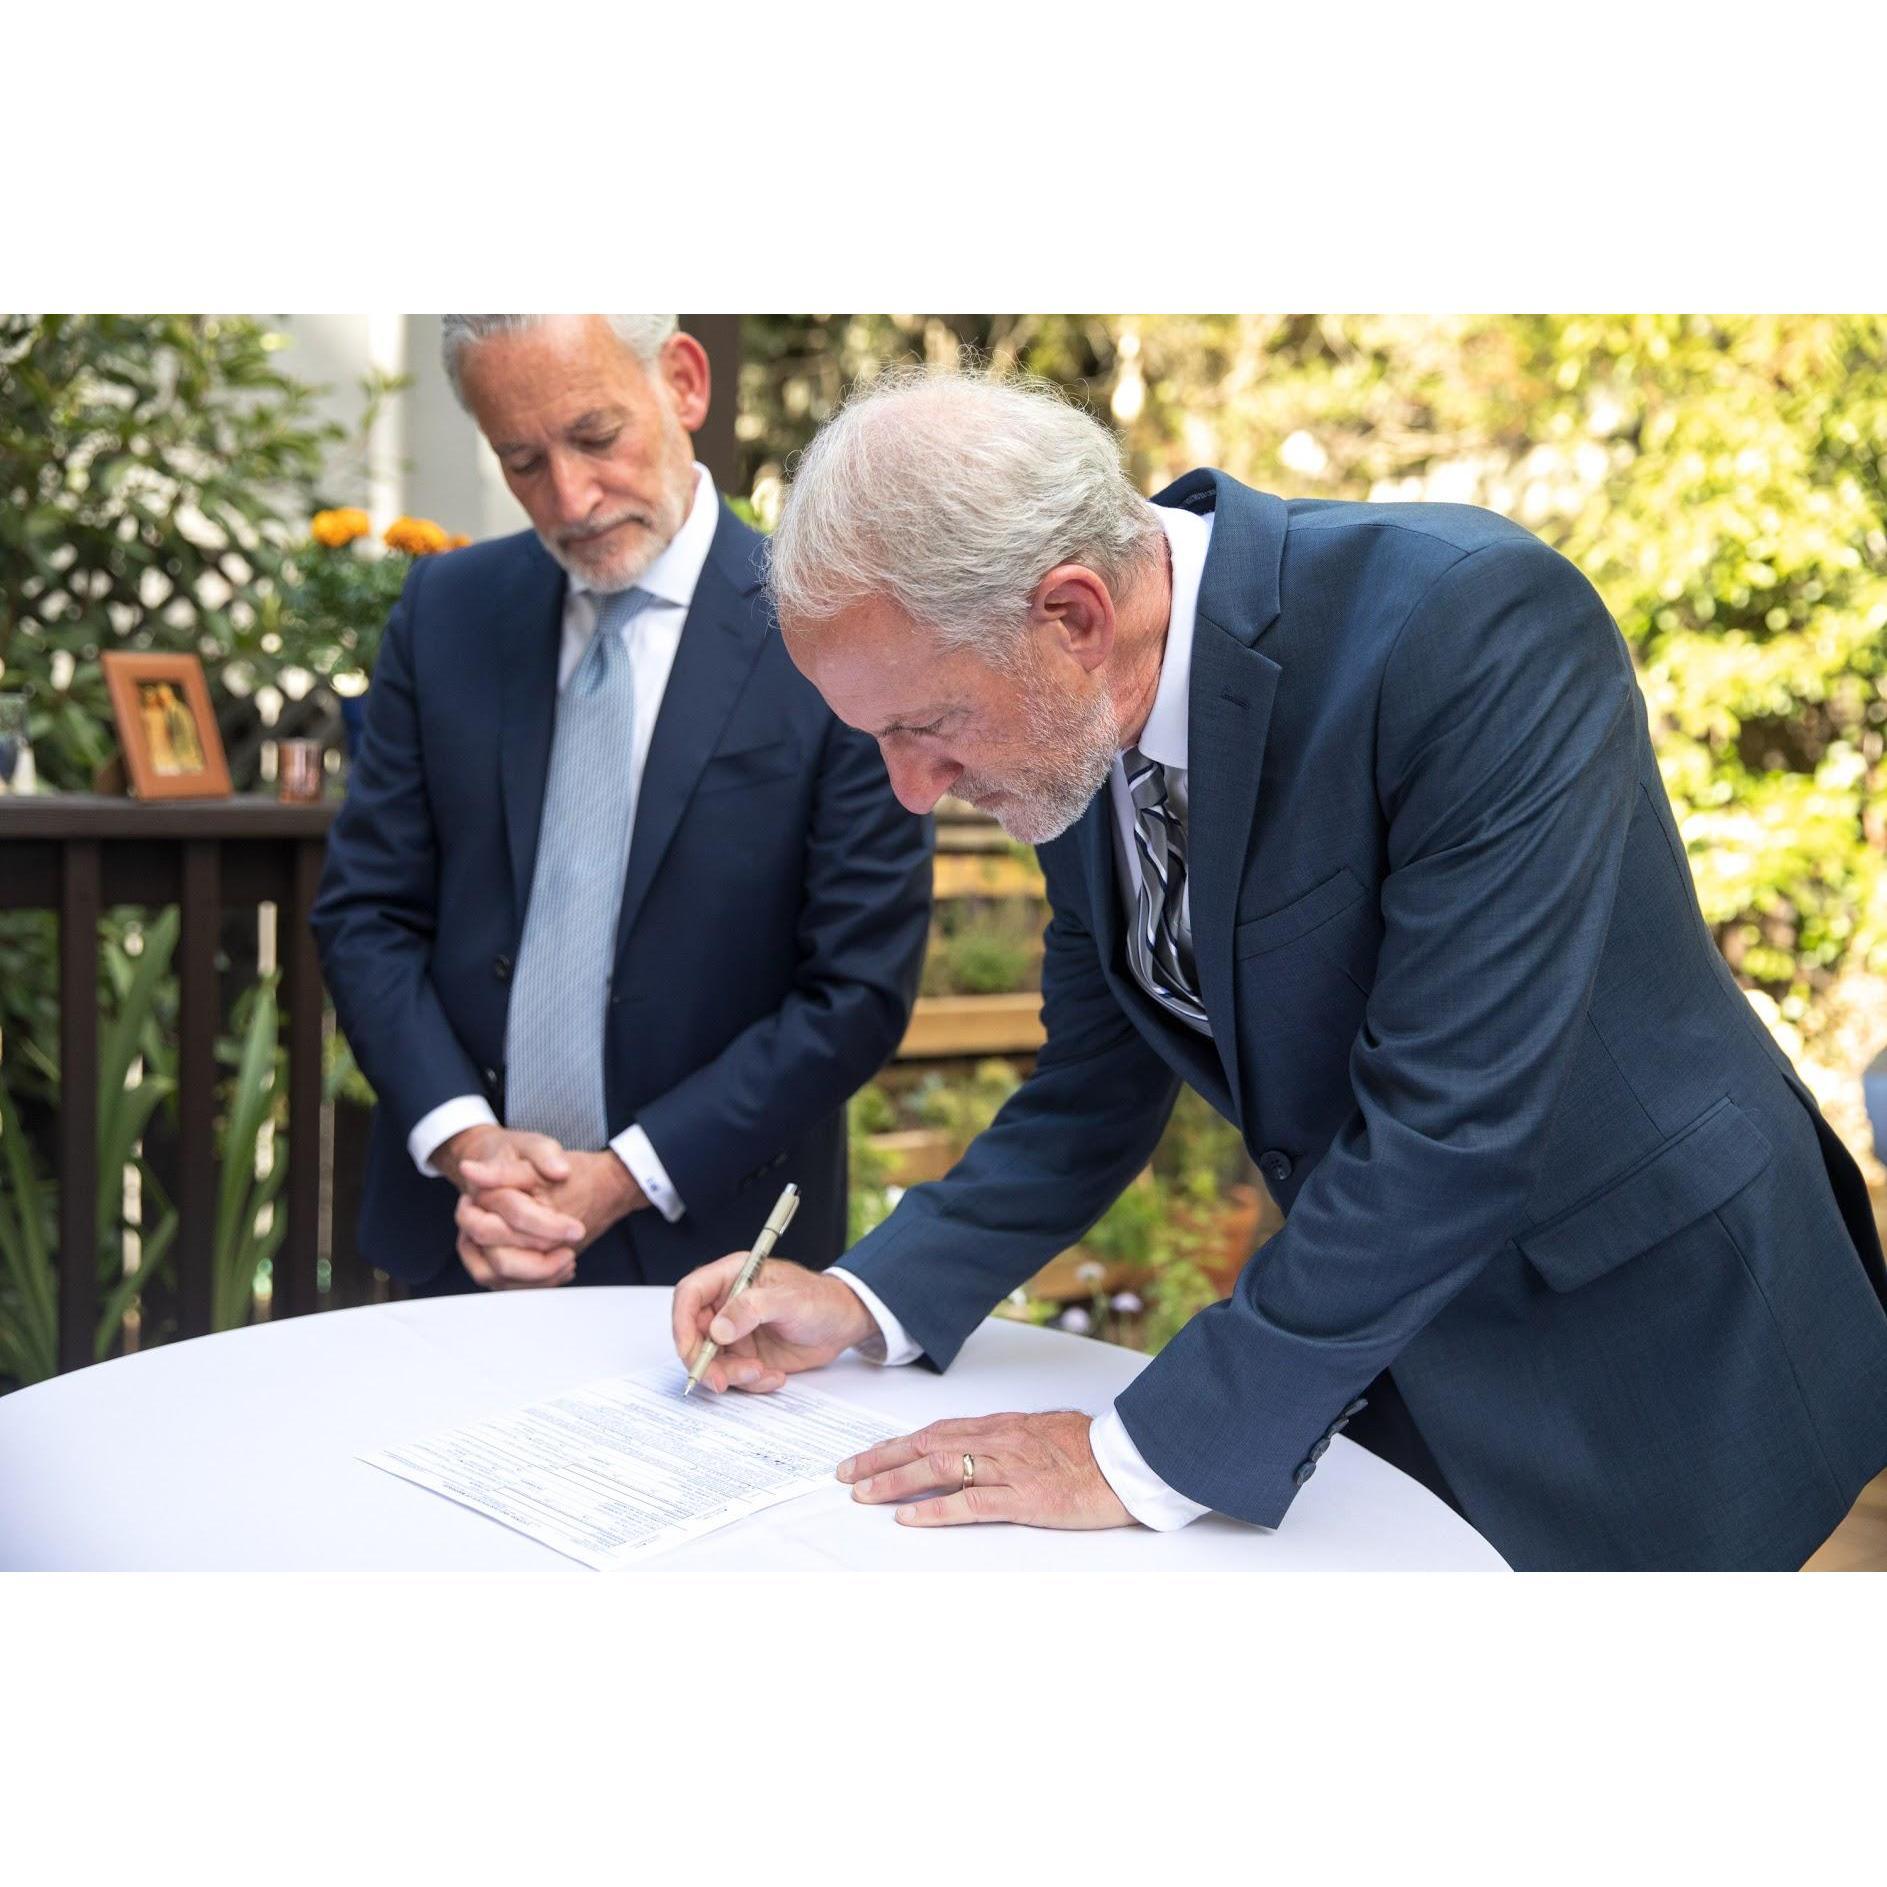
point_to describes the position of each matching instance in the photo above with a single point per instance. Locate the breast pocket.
(749, 767)
(1335, 923)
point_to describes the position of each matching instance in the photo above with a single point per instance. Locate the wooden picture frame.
(166, 726)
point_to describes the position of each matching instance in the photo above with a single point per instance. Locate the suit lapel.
(1232, 691)
(529, 615)
(720, 641)
(1233, 688)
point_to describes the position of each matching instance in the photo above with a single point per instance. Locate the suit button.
(1305, 1469)
(1275, 1166)
(1320, 1447)
(501, 968)
(491, 1077)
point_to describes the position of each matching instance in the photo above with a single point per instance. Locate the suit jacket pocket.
(750, 766)
(1695, 1171)
(1317, 906)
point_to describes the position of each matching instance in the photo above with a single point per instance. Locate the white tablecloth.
(237, 1452)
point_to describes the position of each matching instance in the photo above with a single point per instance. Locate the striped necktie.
(560, 993)
(1159, 946)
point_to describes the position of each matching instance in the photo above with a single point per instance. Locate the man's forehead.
(571, 372)
(876, 667)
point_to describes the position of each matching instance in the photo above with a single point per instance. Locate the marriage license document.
(617, 1470)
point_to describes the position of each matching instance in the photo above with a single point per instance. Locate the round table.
(238, 1452)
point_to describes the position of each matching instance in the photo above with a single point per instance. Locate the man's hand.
(536, 1154)
(541, 1250)
(787, 1319)
(1036, 1470)
(522, 1230)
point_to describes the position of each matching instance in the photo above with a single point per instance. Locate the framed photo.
(166, 726)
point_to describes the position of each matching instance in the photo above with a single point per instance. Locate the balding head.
(951, 495)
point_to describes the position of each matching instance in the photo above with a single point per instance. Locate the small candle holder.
(298, 778)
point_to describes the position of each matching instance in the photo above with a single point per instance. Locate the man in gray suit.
(1350, 819)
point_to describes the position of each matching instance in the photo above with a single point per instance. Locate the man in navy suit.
(617, 915)
(1350, 819)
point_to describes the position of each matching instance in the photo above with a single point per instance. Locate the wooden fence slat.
(199, 1023)
(985, 875)
(350, 1277)
(974, 1025)
(298, 1253)
(79, 912)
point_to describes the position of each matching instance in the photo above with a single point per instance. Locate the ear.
(682, 366)
(1072, 610)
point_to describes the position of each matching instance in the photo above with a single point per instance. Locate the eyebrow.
(596, 416)
(902, 724)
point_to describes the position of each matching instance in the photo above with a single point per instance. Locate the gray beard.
(1081, 753)
(618, 574)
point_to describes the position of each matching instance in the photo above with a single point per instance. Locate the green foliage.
(984, 947)
(134, 980)
(248, 1228)
(962, 1106)
(1721, 479)
(1161, 1226)
(330, 605)
(145, 465)
(869, 1203)
(137, 1076)
(1164, 1225)
(29, 1316)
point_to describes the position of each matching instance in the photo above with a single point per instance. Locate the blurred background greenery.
(1721, 479)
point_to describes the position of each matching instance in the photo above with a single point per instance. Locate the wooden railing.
(976, 860)
(78, 856)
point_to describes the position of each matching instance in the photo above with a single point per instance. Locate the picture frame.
(166, 726)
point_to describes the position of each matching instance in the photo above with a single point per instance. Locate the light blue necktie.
(560, 994)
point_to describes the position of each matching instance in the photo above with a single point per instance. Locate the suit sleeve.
(377, 910)
(1505, 768)
(861, 935)
(1052, 1161)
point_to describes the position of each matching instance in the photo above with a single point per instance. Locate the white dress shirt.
(650, 638)
(1164, 738)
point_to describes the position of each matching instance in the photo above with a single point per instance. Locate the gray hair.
(953, 494)
(642, 334)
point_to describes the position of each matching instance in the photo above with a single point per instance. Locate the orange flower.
(336, 529)
(419, 537)
(457, 541)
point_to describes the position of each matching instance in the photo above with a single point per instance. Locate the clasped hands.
(528, 1206)
(1035, 1470)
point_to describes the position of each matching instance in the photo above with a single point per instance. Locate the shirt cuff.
(891, 1346)
(445, 1120)
(637, 1152)
(1141, 1491)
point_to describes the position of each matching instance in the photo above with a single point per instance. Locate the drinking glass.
(16, 751)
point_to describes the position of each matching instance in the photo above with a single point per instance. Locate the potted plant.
(334, 596)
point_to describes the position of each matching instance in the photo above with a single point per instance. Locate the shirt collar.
(673, 575)
(1164, 738)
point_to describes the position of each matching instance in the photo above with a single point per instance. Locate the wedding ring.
(969, 1470)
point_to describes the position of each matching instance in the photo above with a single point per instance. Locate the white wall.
(425, 457)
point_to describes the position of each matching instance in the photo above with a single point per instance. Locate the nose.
(572, 489)
(919, 781)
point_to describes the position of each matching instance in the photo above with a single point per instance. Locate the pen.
(770, 1234)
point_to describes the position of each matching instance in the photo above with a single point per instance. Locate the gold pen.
(770, 1235)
